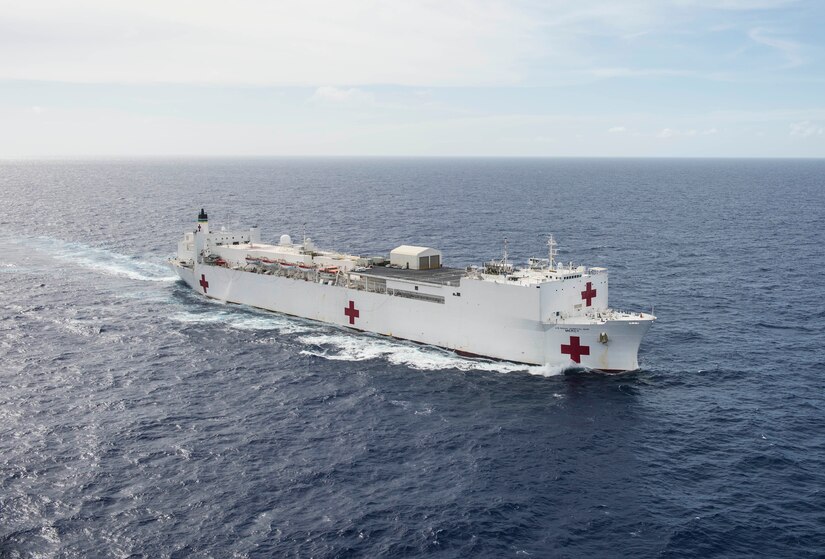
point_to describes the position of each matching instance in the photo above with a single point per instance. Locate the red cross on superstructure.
(204, 283)
(575, 350)
(352, 312)
(589, 293)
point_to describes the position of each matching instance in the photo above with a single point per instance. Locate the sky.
(552, 78)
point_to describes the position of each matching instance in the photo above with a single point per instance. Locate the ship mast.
(552, 251)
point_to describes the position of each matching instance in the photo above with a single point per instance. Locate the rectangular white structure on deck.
(415, 258)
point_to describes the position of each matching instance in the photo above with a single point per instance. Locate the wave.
(772, 326)
(343, 347)
(327, 342)
(101, 260)
(242, 321)
(39, 313)
(9, 268)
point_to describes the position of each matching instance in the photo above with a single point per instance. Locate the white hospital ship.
(544, 313)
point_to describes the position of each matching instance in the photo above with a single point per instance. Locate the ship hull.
(472, 320)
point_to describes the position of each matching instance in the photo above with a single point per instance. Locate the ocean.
(138, 419)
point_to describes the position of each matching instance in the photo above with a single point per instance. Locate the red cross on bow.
(352, 312)
(204, 283)
(575, 350)
(589, 293)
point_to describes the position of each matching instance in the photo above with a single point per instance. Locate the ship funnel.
(203, 222)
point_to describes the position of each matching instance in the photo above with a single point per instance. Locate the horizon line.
(4, 158)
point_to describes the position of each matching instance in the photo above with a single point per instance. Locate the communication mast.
(552, 251)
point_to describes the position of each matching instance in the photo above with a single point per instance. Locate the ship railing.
(416, 296)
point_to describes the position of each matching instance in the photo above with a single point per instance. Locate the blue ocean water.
(139, 420)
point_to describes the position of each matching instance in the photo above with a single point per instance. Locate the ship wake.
(100, 260)
(344, 347)
(326, 342)
(245, 319)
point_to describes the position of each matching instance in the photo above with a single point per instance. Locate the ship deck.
(437, 276)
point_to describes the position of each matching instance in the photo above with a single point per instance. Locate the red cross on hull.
(352, 312)
(574, 349)
(204, 283)
(589, 293)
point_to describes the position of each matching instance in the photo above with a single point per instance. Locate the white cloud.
(302, 129)
(360, 42)
(739, 4)
(689, 132)
(433, 77)
(623, 72)
(337, 95)
(806, 129)
(254, 42)
(768, 116)
(788, 49)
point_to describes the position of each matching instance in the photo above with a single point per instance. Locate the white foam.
(80, 327)
(232, 319)
(101, 260)
(549, 370)
(88, 328)
(283, 325)
(343, 347)
(9, 268)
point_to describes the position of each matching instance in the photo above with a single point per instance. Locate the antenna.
(505, 251)
(552, 251)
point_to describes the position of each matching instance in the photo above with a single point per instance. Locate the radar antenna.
(552, 251)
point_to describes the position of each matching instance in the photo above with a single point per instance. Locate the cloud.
(336, 95)
(806, 129)
(769, 115)
(617, 129)
(739, 4)
(308, 43)
(623, 72)
(690, 132)
(788, 49)
(290, 42)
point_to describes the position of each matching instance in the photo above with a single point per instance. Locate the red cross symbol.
(352, 312)
(204, 283)
(589, 293)
(575, 350)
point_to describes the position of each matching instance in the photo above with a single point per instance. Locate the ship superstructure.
(544, 313)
